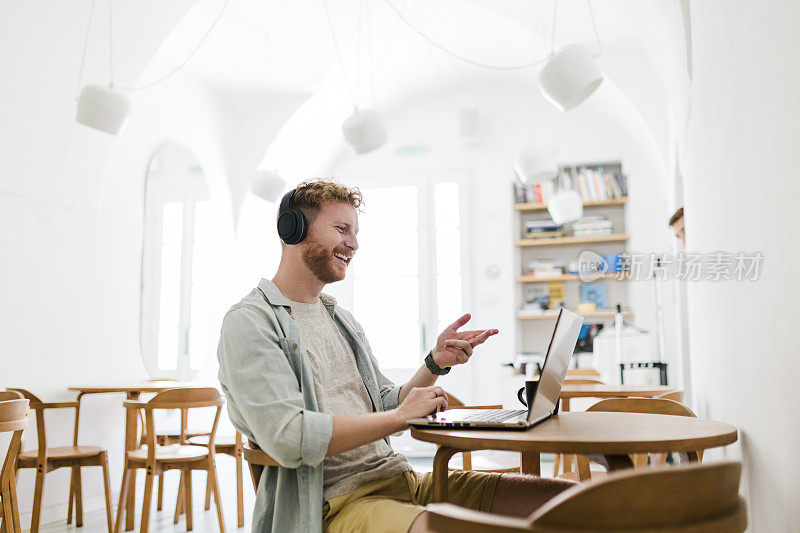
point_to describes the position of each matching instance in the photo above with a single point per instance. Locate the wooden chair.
(676, 395)
(686, 499)
(467, 457)
(13, 418)
(156, 459)
(256, 460)
(224, 445)
(658, 406)
(229, 446)
(45, 460)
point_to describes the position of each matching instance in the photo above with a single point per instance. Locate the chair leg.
(160, 500)
(208, 494)
(12, 491)
(123, 496)
(187, 498)
(179, 501)
(146, 500)
(71, 495)
(37, 499)
(239, 490)
(107, 490)
(78, 498)
(7, 526)
(556, 464)
(212, 478)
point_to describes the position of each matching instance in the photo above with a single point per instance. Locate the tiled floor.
(204, 521)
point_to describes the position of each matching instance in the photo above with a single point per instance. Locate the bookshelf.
(602, 313)
(533, 330)
(567, 241)
(588, 203)
(565, 277)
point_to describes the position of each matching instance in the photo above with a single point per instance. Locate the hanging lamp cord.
(111, 58)
(338, 54)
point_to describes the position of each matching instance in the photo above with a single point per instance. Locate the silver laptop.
(543, 406)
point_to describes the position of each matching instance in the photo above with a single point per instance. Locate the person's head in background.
(676, 224)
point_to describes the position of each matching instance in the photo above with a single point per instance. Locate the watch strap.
(435, 369)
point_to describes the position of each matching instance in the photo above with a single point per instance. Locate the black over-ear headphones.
(292, 223)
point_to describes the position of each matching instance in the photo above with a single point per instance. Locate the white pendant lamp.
(569, 77)
(565, 206)
(536, 165)
(364, 131)
(102, 108)
(267, 185)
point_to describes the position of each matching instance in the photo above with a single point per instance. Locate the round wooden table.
(132, 392)
(606, 437)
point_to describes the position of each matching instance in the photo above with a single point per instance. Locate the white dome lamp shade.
(569, 77)
(102, 108)
(536, 165)
(565, 206)
(267, 185)
(364, 131)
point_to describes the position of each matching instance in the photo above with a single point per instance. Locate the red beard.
(323, 263)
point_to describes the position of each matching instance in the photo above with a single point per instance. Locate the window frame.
(188, 192)
(427, 261)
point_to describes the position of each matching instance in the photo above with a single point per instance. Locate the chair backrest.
(696, 498)
(455, 403)
(184, 399)
(257, 460)
(6, 395)
(28, 395)
(659, 406)
(13, 414)
(676, 395)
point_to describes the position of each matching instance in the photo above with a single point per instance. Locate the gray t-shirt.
(340, 391)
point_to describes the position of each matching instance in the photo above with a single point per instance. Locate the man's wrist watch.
(435, 369)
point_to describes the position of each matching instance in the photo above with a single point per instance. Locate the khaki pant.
(392, 505)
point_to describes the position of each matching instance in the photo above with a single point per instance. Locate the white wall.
(741, 192)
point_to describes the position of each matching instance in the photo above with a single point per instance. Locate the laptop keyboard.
(495, 416)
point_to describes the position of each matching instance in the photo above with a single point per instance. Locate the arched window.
(175, 301)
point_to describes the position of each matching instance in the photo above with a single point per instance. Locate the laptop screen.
(562, 344)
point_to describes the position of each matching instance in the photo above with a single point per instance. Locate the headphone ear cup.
(292, 226)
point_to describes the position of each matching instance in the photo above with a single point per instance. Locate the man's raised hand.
(455, 347)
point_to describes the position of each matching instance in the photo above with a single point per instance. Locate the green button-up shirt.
(266, 375)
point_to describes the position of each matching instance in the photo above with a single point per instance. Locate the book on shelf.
(592, 226)
(596, 293)
(556, 294)
(546, 268)
(593, 183)
(542, 229)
